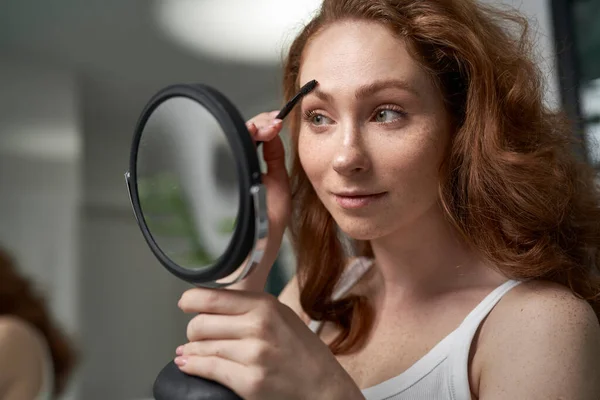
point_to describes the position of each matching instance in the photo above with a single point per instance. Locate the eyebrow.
(370, 89)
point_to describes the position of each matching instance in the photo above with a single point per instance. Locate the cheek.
(420, 158)
(412, 166)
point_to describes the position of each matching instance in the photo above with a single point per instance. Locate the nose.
(350, 157)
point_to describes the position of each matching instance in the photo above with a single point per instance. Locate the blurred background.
(74, 76)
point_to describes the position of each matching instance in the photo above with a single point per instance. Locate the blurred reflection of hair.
(35, 355)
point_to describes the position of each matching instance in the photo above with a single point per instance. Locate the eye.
(315, 118)
(388, 115)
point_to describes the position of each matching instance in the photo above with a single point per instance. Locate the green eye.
(387, 115)
(318, 119)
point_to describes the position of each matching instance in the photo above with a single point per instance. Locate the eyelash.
(308, 115)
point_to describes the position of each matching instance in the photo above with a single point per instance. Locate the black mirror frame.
(247, 167)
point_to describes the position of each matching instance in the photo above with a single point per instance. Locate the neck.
(424, 258)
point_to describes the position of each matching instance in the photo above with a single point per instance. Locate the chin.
(363, 229)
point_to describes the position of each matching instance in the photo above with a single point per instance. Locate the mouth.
(353, 200)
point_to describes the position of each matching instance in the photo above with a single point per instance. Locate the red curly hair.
(18, 299)
(510, 183)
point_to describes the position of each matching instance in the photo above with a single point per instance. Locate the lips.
(343, 194)
(356, 199)
(356, 193)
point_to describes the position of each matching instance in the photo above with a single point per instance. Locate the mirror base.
(173, 384)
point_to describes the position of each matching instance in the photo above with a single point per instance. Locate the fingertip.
(275, 125)
(183, 299)
(251, 126)
(181, 361)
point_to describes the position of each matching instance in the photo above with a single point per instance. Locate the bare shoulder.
(543, 304)
(17, 332)
(21, 354)
(541, 341)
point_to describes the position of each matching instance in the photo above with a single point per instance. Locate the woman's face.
(373, 132)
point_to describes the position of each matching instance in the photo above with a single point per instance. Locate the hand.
(265, 128)
(259, 348)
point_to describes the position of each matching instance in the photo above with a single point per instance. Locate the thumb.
(274, 155)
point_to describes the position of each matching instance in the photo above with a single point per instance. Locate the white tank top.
(442, 373)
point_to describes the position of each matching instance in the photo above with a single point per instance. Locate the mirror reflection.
(187, 183)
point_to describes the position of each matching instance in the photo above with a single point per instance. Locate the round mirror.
(195, 187)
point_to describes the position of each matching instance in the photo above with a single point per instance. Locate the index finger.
(218, 301)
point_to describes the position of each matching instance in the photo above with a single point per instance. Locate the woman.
(427, 147)
(35, 357)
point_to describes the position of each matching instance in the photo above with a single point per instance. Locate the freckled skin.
(354, 152)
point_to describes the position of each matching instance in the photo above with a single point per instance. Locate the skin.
(539, 342)
(21, 360)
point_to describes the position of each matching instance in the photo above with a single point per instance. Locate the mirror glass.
(187, 183)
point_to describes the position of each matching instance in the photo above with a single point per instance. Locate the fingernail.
(276, 122)
(181, 361)
(179, 351)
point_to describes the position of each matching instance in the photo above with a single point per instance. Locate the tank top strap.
(352, 274)
(475, 317)
(459, 354)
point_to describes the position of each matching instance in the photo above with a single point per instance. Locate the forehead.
(353, 53)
